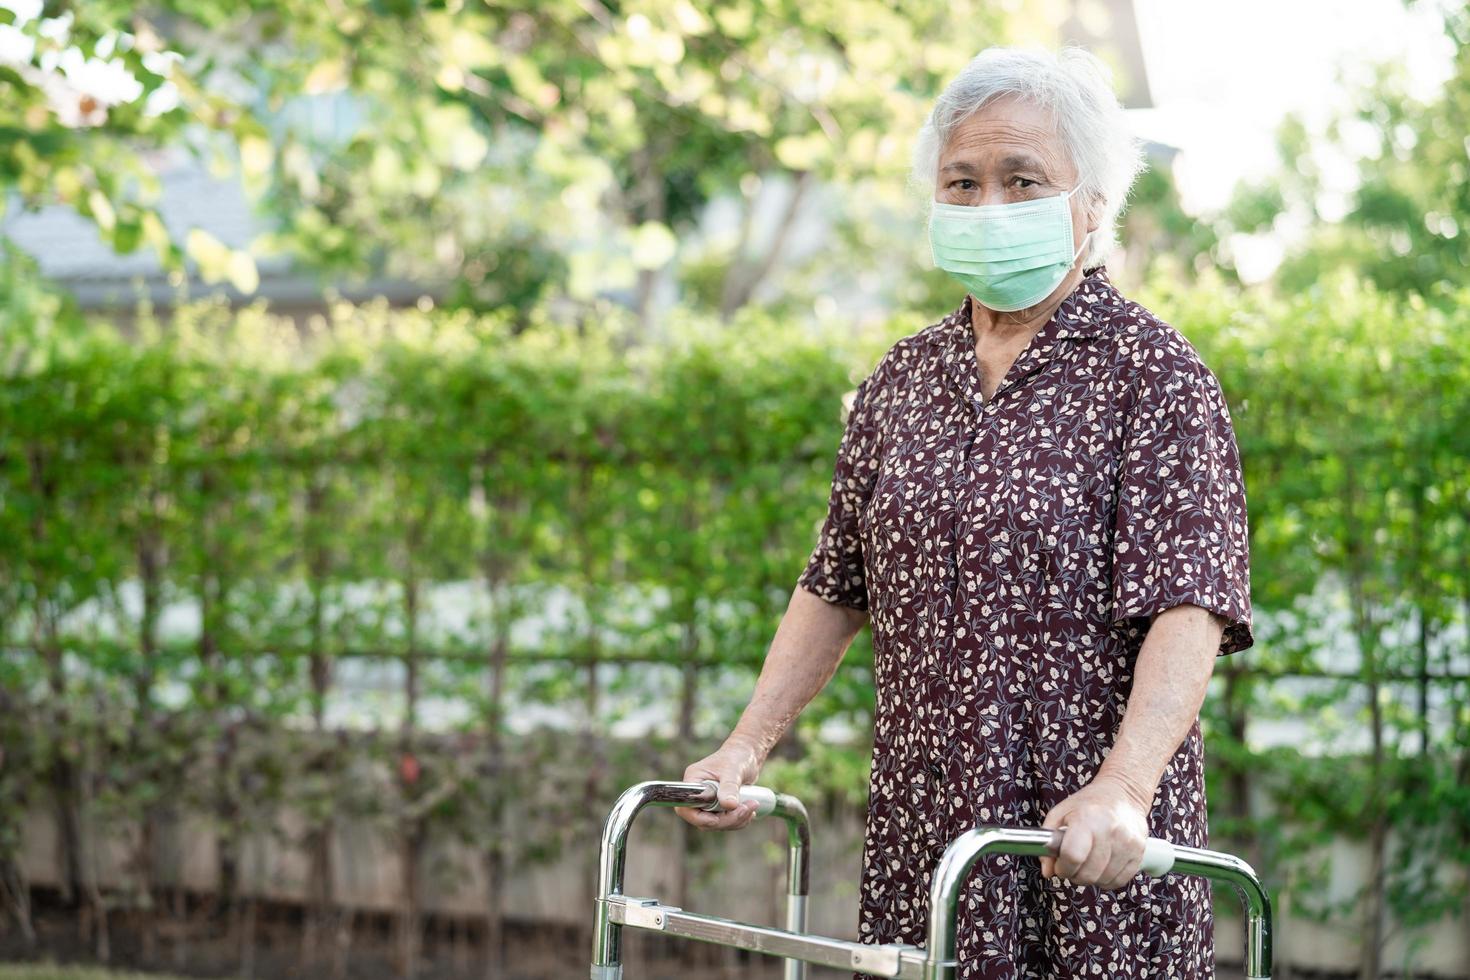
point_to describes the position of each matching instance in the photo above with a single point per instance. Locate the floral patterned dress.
(1009, 553)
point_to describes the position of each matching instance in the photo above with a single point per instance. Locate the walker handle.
(1158, 854)
(763, 798)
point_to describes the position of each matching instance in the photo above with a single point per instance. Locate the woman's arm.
(809, 644)
(1169, 682)
(1107, 820)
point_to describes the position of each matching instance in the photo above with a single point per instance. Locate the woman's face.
(1006, 152)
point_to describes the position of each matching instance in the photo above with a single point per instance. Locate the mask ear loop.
(1075, 188)
(1081, 248)
(1088, 234)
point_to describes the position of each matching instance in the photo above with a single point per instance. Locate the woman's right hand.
(732, 765)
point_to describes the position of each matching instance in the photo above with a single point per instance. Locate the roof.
(71, 252)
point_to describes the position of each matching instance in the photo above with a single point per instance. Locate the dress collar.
(1081, 316)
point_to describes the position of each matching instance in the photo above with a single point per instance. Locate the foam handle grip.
(765, 800)
(1158, 854)
(1158, 857)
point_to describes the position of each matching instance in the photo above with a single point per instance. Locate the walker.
(616, 911)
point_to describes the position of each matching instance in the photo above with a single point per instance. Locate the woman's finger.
(696, 817)
(1056, 819)
(1098, 858)
(741, 816)
(1116, 874)
(1076, 847)
(734, 819)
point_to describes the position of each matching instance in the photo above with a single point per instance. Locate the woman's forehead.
(1004, 134)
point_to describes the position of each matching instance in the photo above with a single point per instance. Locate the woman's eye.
(1024, 182)
(964, 184)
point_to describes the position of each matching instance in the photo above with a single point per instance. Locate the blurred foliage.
(306, 493)
(1403, 223)
(507, 150)
(230, 463)
(1160, 239)
(47, 971)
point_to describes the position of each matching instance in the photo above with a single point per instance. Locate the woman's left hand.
(1106, 831)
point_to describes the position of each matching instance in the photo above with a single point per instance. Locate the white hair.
(1076, 88)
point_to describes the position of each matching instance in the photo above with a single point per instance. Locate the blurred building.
(72, 254)
(1109, 29)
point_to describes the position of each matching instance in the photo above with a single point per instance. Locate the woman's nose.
(992, 192)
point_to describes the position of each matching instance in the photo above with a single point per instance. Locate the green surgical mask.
(1009, 256)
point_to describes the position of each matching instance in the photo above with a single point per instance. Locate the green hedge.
(307, 490)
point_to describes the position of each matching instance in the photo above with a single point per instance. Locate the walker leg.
(607, 943)
(607, 936)
(795, 922)
(607, 952)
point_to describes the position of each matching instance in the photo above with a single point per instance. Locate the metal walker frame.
(616, 911)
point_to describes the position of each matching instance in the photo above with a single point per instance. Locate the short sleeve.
(834, 571)
(1181, 533)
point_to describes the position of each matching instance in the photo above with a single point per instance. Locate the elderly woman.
(1038, 501)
